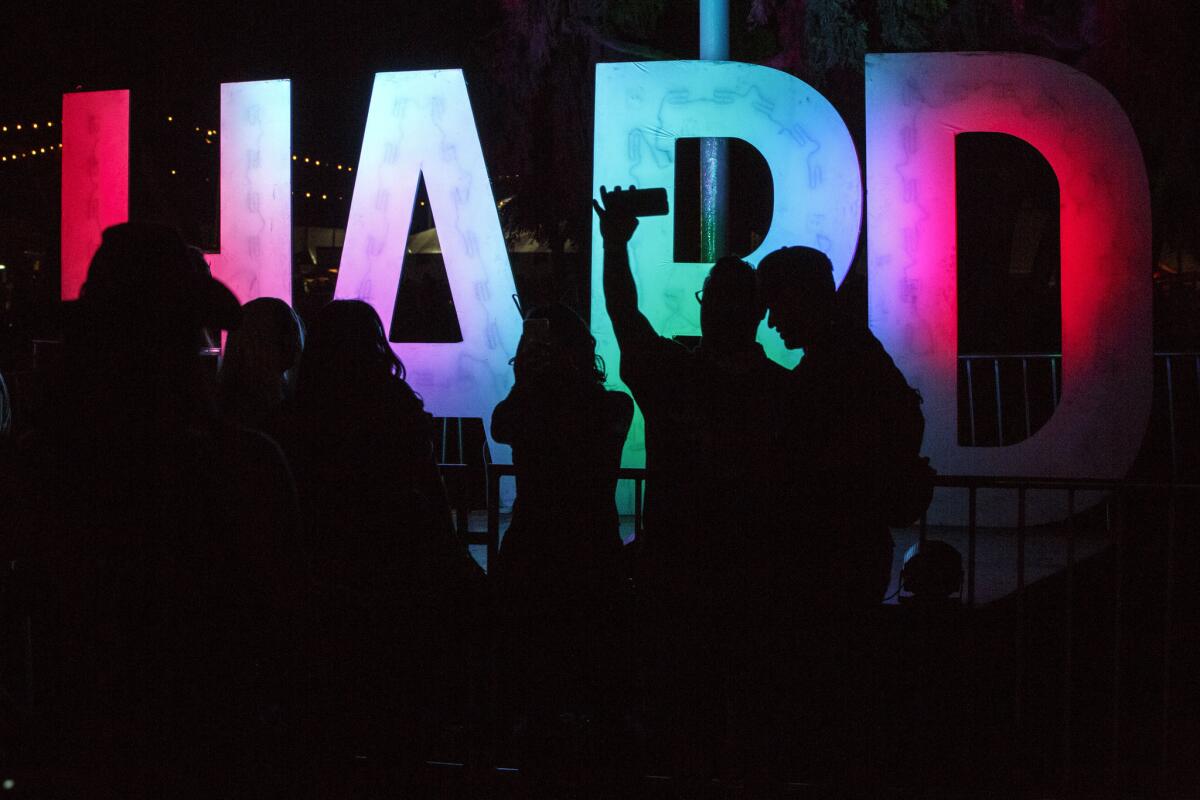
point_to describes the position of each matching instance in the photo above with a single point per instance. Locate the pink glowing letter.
(256, 185)
(916, 104)
(95, 177)
(256, 190)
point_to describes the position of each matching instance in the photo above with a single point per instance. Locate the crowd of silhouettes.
(234, 584)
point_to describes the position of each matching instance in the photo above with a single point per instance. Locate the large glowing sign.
(256, 185)
(95, 177)
(421, 123)
(916, 104)
(643, 108)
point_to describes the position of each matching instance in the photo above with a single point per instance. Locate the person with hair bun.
(560, 561)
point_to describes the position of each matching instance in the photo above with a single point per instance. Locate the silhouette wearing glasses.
(709, 415)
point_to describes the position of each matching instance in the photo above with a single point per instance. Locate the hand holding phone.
(636, 202)
(622, 207)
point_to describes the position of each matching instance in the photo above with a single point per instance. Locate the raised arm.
(620, 292)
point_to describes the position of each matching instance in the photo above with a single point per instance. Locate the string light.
(33, 126)
(207, 133)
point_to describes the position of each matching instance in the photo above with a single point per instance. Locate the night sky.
(175, 55)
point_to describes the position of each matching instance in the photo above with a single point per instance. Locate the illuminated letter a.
(420, 123)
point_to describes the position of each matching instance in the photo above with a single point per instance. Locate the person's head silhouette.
(730, 304)
(260, 359)
(347, 354)
(797, 285)
(560, 349)
(147, 295)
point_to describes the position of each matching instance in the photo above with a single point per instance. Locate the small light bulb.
(170, 118)
(308, 194)
(293, 158)
(306, 159)
(172, 172)
(35, 126)
(324, 197)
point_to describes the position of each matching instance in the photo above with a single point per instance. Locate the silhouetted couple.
(765, 510)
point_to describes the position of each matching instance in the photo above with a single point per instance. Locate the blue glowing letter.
(420, 123)
(642, 108)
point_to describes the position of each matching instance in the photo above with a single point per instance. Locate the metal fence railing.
(1007, 397)
(1158, 533)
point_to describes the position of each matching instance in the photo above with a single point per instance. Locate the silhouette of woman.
(258, 367)
(379, 533)
(559, 561)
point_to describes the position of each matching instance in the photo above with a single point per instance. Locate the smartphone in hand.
(636, 202)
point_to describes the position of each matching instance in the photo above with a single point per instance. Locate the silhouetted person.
(837, 430)
(560, 569)
(844, 411)
(259, 364)
(163, 547)
(708, 514)
(5, 411)
(403, 586)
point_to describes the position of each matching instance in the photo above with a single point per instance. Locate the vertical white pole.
(714, 161)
